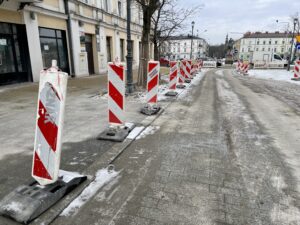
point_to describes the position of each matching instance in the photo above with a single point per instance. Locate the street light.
(129, 50)
(193, 23)
(292, 43)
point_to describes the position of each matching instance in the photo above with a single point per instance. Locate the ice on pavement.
(219, 72)
(103, 177)
(282, 75)
(149, 130)
(135, 132)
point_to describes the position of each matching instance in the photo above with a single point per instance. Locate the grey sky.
(220, 17)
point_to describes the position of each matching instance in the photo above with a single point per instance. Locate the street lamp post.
(193, 23)
(292, 43)
(129, 50)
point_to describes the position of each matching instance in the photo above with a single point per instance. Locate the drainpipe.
(69, 29)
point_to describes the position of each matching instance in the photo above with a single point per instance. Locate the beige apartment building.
(81, 35)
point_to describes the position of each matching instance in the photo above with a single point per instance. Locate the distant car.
(219, 63)
(164, 62)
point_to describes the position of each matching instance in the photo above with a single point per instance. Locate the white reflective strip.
(116, 81)
(114, 107)
(148, 75)
(46, 154)
(172, 82)
(152, 93)
(51, 102)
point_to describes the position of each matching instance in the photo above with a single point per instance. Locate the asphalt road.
(227, 153)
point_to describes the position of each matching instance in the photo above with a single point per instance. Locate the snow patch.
(219, 72)
(148, 131)
(103, 177)
(135, 132)
(281, 75)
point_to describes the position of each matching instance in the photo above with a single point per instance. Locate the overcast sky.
(220, 17)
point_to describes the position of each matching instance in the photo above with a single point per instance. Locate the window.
(257, 42)
(178, 49)
(108, 48)
(270, 42)
(53, 46)
(122, 56)
(283, 42)
(282, 49)
(269, 49)
(275, 42)
(106, 5)
(184, 49)
(257, 49)
(263, 49)
(120, 8)
(249, 49)
(242, 49)
(264, 42)
(275, 50)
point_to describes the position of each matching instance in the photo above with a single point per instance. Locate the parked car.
(164, 62)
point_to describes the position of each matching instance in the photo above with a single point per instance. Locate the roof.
(183, 37)
(267, 35)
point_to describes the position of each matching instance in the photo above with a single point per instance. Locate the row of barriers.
(51, 183)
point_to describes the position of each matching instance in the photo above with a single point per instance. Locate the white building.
(263, 46)
(179, 47)
(82, 35)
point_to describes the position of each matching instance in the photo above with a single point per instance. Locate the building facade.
(81, 35)
(263, 46)
(179, 47)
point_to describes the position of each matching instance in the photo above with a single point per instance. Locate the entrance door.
(89, 50)
(108, 49)
(14, 55)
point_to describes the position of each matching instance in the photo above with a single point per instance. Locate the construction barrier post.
(117, 130)
(172, 79)
(151, 107)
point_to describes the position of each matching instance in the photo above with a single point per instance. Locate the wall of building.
(87, 17)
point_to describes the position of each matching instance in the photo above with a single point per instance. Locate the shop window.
(53, 46)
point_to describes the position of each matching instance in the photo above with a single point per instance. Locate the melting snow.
(135, 132)
(149, 130)
(282, 75)
(103, 177)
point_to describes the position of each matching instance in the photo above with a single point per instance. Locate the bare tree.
(168, 20)
(148, 7)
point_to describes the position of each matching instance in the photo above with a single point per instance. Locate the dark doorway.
(89, 50)
(108, 48)
(122, 55)
(14, 55)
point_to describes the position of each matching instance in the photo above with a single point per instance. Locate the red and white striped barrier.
(237, 68)
(245, 68)
(181, 73)
(189, 68)
(49, 125)
(173, 75)
(297, 69)
(116, 94)
(152, 82)
(184, 68)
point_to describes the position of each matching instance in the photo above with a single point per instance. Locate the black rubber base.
(187, 81)
(180, 86)
(117, 134)
(150, 110)
(295, 79)
(171, 93)
(27, 202)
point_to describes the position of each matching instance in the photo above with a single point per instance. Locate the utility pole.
(292, 43)
(129, 50)
(193, 23)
